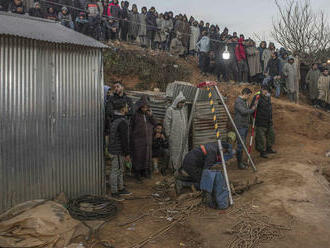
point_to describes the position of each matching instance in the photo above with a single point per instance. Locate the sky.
(253, 18)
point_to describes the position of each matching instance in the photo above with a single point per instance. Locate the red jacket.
(240, 50)
(116, 12)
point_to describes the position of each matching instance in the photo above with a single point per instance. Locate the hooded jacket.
(62, 17)
(141, 137)
(175, 125)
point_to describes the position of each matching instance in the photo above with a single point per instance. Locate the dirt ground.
(294, 193)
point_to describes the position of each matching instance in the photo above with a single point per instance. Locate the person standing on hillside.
(290, 74)
(264, 122)
(312, 79)
(242, 119)
(203, 47)
(324, 89)
(151, 21)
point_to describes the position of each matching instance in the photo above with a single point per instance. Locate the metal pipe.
(223, 161)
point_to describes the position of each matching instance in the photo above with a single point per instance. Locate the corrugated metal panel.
(189, 91)
(44, 30)
(203, 125)
(51, 104)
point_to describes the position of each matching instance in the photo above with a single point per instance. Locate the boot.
(263, 154)
(270, 151)
(240, 164)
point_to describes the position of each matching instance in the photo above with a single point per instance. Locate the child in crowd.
(159, 148)
(119, 149)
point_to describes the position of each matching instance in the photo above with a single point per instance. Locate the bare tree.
(301, 30)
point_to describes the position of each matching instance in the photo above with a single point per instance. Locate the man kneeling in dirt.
(201, 168)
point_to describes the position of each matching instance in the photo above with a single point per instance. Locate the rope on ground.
(91, 207)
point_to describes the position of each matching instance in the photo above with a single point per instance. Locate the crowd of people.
(231, 57)
(136, 141)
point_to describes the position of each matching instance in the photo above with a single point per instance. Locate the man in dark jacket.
(273, 73)
(17, 7)
(151, 27)
(203, 157)
(264, 122)
(119, 149)
(36, 11)
(124, 20)
(242, 119)
(118, 95)
(4, 5)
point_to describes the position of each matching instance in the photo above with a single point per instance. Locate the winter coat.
(66, 18)
(142, 127)
(143, 23)
(266, 56)
(36, 13)
(119, 137)
(158, 147)
(13, 8)
(159, 22)
(264, 117)
(203, 45)
(175, 125)
(151, 21)
(50, 16)
(253, 58)
(185, 34)
(214, 44)
(194, 36)
(113, 10)
(166, 29)
(134, 24)
(195, 161)
(109, 109)
(323, 86)
(4, 5)
(179, 27)
(312, 79)
(274, 67)
(290, 74)
(242, 113)
(177, 47)
(240, 51)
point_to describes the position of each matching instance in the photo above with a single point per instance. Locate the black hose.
(90, 207)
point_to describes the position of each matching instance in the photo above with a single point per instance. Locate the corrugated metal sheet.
(189, 91)
(203, 131)
(51, 105)
(44, 30)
